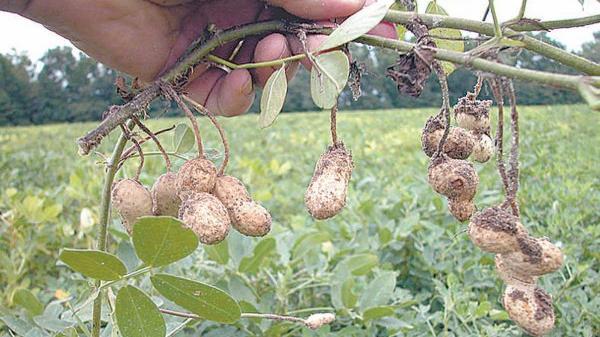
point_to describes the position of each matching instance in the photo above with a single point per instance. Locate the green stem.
(196, 55)
(551, 79)
(174, 154)
(522, 10)
(497, 29)
(111, 170)
(544, 49)
(125, 277)
(557, 24)
(273, 63)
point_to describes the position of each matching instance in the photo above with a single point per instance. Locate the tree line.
(73, 89)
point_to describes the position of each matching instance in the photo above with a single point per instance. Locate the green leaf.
(348, 296)
(21, 327)
(218, 253)
(161, 240)
(483, 309)
(308, 242)
(358, 24)
(449, 44)
(328, 78)
(378, 312)
(499, 315)
(183, 138)
(273, 97)
(94, 263)
(25, 299)
(201, 299)
(378, 292)
(52, 323)
(360, 264)
(137, 315)
(252, 264)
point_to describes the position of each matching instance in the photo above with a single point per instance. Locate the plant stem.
(179, 327)
(156, 141)
(521, 10)
(226, 153)
(119, 114)
(551, 79)
(131, 149)
(109, 177)
(333, 125)
(273, 63)
(274, 317)
(147, 154)
(547, 50)
(197, 54)
(126, 277)
(497, 29)
(245, 315)
(443, 79)
(498, 94)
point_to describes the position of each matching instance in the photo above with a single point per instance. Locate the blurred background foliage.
(65, 88)
(393, 263)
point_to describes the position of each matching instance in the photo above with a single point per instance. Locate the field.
(394, 263)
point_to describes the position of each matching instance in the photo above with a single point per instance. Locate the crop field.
(393, 263)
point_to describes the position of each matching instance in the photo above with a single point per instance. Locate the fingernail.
(248, 87)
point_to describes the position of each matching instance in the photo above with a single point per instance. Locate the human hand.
(144, 38)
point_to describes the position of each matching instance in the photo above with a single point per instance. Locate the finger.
(385, 29)
(319, 9)
(224, 94)
(272, 47)
(169, 3)
(312, 43)
(200, 87)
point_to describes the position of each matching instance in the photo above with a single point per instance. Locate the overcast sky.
(24, 35)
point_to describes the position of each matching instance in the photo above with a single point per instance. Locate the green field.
(419, 274)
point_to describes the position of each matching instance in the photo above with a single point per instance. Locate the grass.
(443, 284)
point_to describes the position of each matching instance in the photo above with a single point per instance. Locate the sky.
(23, 35)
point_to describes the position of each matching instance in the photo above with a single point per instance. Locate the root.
(158, 144)
(513, 171)
(129, 152)
(333, 126)
(445, 111)
(130, 137)
(201, 109)
(170, 93)
(477, 88)
(498, 93)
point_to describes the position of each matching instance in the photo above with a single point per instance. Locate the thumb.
(319, 9)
